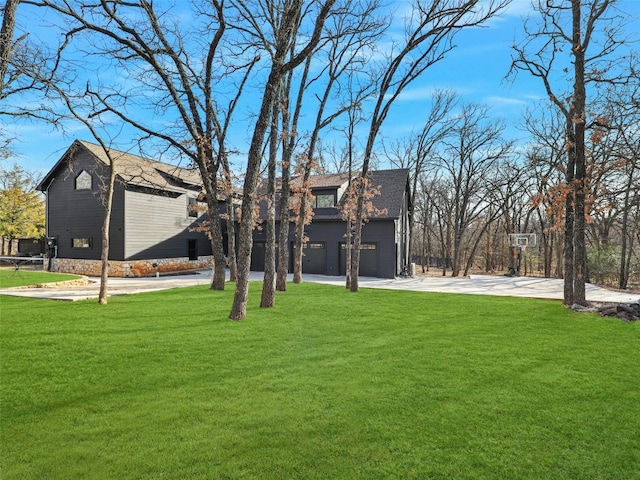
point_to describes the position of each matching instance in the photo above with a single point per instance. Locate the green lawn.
(327, 385)
(18, 278)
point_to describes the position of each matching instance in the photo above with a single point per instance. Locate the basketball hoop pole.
(515, 261)
(521, 249)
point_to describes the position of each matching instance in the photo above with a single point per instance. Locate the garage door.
(368, 260)
(257, 256)
(314, 258)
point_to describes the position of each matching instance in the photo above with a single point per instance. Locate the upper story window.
(192, 207)
(325, 200)
(84, 181)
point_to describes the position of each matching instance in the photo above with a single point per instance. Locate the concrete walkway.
(531, 287)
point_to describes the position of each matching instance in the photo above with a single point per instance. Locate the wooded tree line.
(177, 77)
(466, 206)
(576, 184)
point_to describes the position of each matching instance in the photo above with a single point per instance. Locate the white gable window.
(84, 181)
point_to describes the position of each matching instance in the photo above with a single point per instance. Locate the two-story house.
(152, 216)
(153, 220)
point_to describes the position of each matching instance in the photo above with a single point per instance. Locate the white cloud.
(499, 101)
(519, 8)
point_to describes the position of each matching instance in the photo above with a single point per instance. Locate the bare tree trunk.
(231, 241)
(106, 224)
(475, 245)
(360, 184)
(269, 284)
(219, 260)
(208, 170)
(623, 278)
(6, 38)
(457, 246)
(283, 234)
(559, 257)
(241, 296)
(278, 70)
(298, 249)
(448, 249)
(347, 253)
(289, 127)
(579, 119)
(231, 221)
(568, 240)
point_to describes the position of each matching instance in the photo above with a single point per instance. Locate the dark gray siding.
(382, 233)
(379, 232)
(403, 232)
(75, 213)
(332, 234)
(158, 226)
(117, 233)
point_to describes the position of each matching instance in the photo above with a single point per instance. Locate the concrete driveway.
(531, 287)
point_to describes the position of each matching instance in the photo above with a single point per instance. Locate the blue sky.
(476, 70)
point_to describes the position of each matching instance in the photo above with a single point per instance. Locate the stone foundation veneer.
(131, 268)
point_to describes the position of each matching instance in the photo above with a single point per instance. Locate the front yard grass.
(326, 385)
(10, 277)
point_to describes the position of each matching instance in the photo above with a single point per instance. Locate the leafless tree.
(289, 141)
(544, 163)
(22, 60)
(429, 36)
(417, 152)
(34, 69)
(590, 32)
(508, 194)
(469, 159)
(7, 43)
(145, 43)
(286, 29)
(620, 114)
(351, 32)
(436, 192)
(355, 116)
(269, 282)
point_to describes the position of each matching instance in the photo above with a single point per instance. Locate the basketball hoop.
(523, 243)
(520, 242)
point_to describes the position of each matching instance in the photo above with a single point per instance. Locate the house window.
(81, 242)
(325, 200)
(192, 207)
(84, 181)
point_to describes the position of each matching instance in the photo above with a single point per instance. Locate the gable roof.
(133, 170)
(330, 180)
(393, 184)
(389, 204)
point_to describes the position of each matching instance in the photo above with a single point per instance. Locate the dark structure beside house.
(151, 222)
(385, 236)
(30, 247)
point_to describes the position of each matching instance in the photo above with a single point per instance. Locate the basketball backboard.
(522, 240)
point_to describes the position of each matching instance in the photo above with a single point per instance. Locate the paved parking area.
(532, 287)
